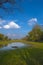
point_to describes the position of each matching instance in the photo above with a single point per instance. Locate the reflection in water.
(12, 46)
(2, 45)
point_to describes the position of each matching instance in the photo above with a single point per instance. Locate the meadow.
(23, 56)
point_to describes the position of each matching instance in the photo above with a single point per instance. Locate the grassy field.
(23, 56)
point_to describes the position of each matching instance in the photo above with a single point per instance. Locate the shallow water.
(12, 46)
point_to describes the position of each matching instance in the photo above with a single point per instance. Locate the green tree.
(36, 34)
(6, 38)
(1, 36)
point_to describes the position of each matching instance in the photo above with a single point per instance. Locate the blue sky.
(16, 23)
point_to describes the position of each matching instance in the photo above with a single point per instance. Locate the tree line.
(3, 37)
(36, 34)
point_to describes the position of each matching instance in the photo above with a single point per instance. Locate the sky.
(16, 20)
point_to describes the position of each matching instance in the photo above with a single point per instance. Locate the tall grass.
(24, 56)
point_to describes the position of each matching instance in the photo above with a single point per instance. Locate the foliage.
(36, 34)
(25, 56)
(2, 37)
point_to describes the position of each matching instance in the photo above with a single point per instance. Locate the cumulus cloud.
(0, 27)
(6, 26)
(12, 24)
(32, 21)
(1, 21)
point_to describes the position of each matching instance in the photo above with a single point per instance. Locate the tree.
(15, 4)
(1, 36)
(6, 37)
(36, 34)
(25, 38)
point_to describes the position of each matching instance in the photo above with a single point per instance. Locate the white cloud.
(32, 21)
(0, 27)
(1, 21)
(6, 26)
(12, 24)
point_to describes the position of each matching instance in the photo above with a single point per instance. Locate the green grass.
(23, 56)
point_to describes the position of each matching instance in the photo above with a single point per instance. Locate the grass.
(23, 56)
